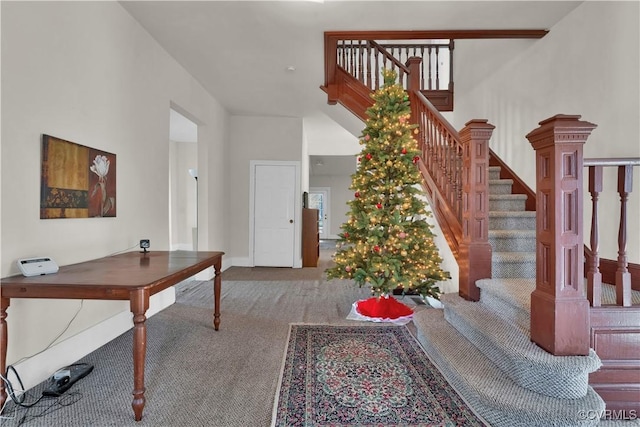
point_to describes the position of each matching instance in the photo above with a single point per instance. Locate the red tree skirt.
(381, 309)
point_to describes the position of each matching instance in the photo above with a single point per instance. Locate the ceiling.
(267, 57)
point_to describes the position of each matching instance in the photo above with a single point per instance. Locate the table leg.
(4, 304)
(139, 306)
(217, 285)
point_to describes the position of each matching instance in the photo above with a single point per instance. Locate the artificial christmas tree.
(386, 243)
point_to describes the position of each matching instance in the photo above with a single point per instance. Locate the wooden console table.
(132, 276)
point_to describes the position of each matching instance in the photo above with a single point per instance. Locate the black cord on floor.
(19, 400)
(61, 401)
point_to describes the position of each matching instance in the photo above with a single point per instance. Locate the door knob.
(290, 221)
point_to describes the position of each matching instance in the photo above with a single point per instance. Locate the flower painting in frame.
(76, 181)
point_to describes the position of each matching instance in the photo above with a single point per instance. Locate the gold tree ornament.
(386, 243)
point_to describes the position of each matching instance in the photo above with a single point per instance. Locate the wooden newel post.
(413, 80)
(330, 64)
(413, 85)
(475, 250)
(559, 308)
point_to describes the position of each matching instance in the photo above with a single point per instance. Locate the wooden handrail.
(438, 34)
(612, 161)
(457, 170)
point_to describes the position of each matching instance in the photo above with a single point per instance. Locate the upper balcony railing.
(365, 60)
(362, 55)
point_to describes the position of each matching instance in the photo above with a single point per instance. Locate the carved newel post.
(559, 308)
(475, 250)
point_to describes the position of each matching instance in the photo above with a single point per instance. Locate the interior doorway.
(319, 198)
(183, 182)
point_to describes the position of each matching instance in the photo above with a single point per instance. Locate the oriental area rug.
(378, 375)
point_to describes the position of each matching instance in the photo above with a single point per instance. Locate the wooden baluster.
(459, 180)
(437, 67)
(430, 75)
(360, 59)
(475, 250)
(352, 60)
(623, 278)
(449, 179)
(594, 277)
(377, 70)
(452, 170)
(559, 307)
(368, 77)
(422, 67)
(434, 149)
(440, 158)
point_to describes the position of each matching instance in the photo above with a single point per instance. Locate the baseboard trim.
(41, 366)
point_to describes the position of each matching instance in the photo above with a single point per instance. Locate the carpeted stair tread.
(512, 214)
(512, 233)
(507, 196)
(490, 393)
(510, 348)
(514, 256)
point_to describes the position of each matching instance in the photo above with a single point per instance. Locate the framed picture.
(76, 181)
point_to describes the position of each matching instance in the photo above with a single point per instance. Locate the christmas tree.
(387, 243)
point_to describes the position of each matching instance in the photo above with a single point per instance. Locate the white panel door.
(274, 214)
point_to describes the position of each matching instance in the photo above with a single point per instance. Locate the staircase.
(484, 349)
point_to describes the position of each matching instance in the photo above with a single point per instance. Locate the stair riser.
(500, 188)
(510, 311)
(513, 270)
(512, 244)
(506, 205)
(512, 223)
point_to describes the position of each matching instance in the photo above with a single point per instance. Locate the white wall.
(587, 65)
(87, 72)
(254, 138)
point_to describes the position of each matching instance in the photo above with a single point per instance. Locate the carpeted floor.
(196, 376)
(365, 375)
